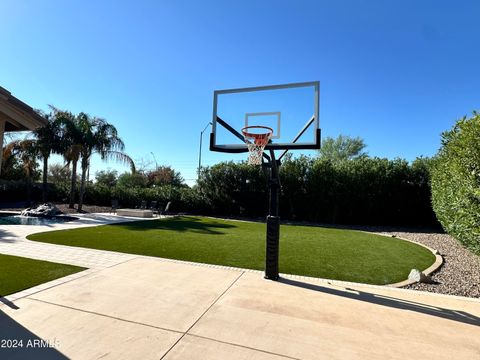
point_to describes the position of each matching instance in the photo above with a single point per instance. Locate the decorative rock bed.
(460, 272)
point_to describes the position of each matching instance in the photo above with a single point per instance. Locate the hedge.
(365, 190)
(456, 182)
(361, 191)
(19, 191)
(183, 199)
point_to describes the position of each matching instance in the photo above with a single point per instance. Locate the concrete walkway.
(13, 242)
(154, 309)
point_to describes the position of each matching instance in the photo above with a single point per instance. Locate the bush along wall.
(361, 191)
(184, 199)
(233, 189)
(456, 182)
(19, 192)
(365, 190)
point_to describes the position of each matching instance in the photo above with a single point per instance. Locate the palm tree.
(8, 158)
(47, 142)
(70, 146)
(102, 138)
(27, 151)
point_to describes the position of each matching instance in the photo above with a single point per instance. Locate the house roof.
(18, 115)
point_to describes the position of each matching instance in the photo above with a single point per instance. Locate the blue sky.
(396, 73)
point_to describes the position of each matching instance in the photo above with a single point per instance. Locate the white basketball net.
(256, 144)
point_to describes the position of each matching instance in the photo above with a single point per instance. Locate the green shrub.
(295, 193)
(11, 190)
(456, 182)
(19, 192)
(369, 191)
(98, 194)
(106, 177)
(359, 191)
(230, 188)
(363, 190)
(58, 192)
(130, 180)
(183, 199)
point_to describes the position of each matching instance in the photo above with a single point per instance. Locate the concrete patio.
(154, 309)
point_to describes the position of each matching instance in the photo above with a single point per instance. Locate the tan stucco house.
(15, 115)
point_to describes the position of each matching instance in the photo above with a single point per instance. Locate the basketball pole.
(200, 150)
(273, 222)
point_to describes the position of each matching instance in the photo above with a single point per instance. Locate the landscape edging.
(431, 269)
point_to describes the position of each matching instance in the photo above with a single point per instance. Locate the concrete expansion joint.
(207, 310)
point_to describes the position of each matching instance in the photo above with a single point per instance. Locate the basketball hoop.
(256, 142)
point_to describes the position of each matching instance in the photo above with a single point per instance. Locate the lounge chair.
(154, 207)
(114, 206)
(143, 205)
(166, 211)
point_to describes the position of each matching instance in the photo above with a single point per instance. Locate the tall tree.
(47, 142)
(99, 137)
(164, 175)
(27, 151)
(59, 174)
(107, 178)
(71, 147)
(11, 166)
(342, 148)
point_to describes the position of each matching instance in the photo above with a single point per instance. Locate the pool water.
(9, 219)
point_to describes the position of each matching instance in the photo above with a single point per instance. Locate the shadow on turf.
(355, 294)
(182, 224)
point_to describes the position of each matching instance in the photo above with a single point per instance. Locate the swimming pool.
(15, 219)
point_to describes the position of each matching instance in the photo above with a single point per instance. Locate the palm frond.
(119, 157)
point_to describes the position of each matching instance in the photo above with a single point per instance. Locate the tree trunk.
(45, 183)
(82, 184)
(73, 184)
(29, 192)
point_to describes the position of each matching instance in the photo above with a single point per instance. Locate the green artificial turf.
(304, 250)
(18, 273)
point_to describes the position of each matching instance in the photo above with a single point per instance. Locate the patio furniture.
(166, 211)
(114, 206)
(143, 205)
(154, 207)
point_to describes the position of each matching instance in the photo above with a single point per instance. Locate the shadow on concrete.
(7, 236)
(8, 303)
(12, 334)
(181, 224)
(355, 294)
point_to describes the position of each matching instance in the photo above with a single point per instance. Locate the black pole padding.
(272, 247)
(273, 222)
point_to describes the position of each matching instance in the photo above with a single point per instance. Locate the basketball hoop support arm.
(273, 222)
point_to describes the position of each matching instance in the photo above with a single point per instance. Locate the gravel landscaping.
(460, 272)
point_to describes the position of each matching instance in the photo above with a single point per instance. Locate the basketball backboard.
(291, 110)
